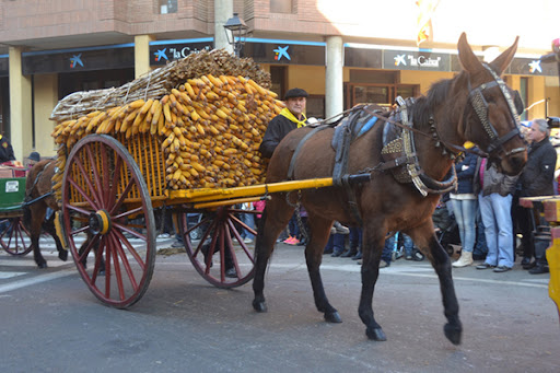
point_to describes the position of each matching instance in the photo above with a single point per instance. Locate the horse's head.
(490, 118)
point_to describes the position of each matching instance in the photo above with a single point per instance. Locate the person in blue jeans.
(335, 245)
(495, 207)
(464, 203)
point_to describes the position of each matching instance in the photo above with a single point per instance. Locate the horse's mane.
(437, 95)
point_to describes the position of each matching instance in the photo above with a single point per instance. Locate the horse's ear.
(468, 59)
(501, 63)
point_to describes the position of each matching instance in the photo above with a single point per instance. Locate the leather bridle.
(480, 106)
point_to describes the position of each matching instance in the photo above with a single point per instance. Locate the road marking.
(413, 271)
(36, 280)
(6, 275)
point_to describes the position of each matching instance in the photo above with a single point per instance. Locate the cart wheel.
(105, 205)
(14, 238)
(220, 249)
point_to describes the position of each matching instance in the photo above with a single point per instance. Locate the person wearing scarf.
(290, 118)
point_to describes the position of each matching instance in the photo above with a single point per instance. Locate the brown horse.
(476, 106)
(39, 197)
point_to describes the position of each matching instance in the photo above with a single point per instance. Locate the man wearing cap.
(535, 181)
(290, 118)
(6, 151)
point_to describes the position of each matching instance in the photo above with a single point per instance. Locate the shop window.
(281, 6)
(278, 80)
(315, 107)
(167, 6)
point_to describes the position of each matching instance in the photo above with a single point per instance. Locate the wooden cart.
(14, 238)
(111, 188)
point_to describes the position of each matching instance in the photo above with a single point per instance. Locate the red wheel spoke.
(131, 249)
(230, 227)
(115, 183)
(128, 213)
(251, 230)
(126, 263)
(86, 250)
(203, 238)
(129, 230)
(108, 256)
(118, 273)
(98, 257)
(121, 199)
(83, 194)
(241, 242)
(84, 228)
(86, 178)
(95, 172)
(78, 209)
(222, 234)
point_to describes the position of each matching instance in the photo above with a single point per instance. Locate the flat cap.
(34, 156)
(295, 92)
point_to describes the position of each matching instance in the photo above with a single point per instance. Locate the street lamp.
(236, 33)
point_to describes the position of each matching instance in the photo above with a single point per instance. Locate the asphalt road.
(52, 323)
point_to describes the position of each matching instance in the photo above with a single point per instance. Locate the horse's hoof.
(42, 265)
(260, 306)
(63, 255)
(376, 334)
(453, 333)
(333, 317)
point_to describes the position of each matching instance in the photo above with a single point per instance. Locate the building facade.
(342, 53)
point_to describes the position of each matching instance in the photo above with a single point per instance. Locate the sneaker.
(177, 244)
(295, 241)
(164, 235)
(502, 269)
(247, 240)
(408, 257)
(417, 256)
(341, 228)
(384, 264)
(231, 273)
(288, 240)
(485, 266)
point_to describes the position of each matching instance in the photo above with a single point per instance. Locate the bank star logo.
(76, 60)
(282, 52)
(535, 66)
(399, 60)
(160, 54)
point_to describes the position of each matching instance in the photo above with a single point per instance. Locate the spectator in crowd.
(464, 204)
(290, 118)
(259, 206)
(249, 220)
(355, 244)
(494, 191)
(335, 245)
(6, 150)
(34, 157)
(536, 180)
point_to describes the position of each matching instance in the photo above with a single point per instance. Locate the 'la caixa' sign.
(404, 60)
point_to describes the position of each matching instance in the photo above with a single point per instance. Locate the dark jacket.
(465, 178)
(277, 129)
(6, 151)
(538, 175)
(494, 181)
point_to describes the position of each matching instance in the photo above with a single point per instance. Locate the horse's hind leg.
(320, 230)
(37, 217)
(428, 243)
(274, 219)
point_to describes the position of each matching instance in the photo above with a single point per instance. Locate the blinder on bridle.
(480, 106)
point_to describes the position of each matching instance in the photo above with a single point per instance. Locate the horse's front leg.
(320, 230)
(275, 217)
(50, 228)
(372, 246)
(427, 242)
